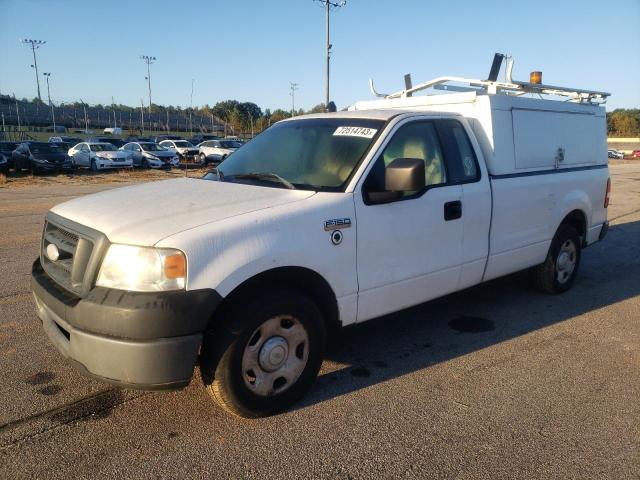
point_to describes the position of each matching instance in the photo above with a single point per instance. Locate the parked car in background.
(160, 138)
(40, 157)
(215, 151)
(150, 155)
(116, 142)
(203, 137)
(112, 131)
(635, 154)
(71, 140)
(6, 148)
(615, 154)
(185, 150)
(99, 155)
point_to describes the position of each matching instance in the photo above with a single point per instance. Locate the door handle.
(452, 210)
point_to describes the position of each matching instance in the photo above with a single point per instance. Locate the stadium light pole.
(35, 44)
(148, 60)
(328, 5)
(293, 87)
(191, 108)
(53, 114)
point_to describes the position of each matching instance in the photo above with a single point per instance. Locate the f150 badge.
(336, 224)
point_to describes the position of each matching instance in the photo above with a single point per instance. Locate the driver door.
(409, 247)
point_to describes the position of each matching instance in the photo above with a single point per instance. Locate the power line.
(35, 44)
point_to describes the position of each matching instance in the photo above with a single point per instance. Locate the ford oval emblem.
(52, 252)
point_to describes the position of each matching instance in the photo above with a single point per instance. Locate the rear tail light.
(608, 193)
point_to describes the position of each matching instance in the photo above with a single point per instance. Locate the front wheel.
(265, 355)
(559, 270)
(203, 159)
(94, 166)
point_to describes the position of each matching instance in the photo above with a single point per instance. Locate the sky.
(250, 50)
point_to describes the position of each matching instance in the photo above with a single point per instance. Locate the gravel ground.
(496, 381)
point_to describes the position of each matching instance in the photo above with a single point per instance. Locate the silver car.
(150, 155)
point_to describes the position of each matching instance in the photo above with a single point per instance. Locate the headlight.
(143, 269)
(153, 157)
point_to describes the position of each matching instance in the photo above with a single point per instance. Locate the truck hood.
(145, 214)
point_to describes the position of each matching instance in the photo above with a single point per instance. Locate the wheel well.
(577, 220)
(298, 278)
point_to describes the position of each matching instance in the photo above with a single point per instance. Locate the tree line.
(249, 117)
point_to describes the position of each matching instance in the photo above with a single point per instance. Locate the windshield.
(152, 147)
(45, 148)
(183, 144)
(102, 147)
(309, 153)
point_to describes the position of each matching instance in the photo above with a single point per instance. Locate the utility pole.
(142, 116)
(191, 108)
(148, 60)
(293, 87)
(35, 44)
(113, 109)
(86, 121)
(328, 4)
(53, 115)
(17, 111)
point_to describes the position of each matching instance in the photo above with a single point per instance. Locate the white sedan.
(98, 156)
(185, 150)
(215, 151)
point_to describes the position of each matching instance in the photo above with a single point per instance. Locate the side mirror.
(405, 175)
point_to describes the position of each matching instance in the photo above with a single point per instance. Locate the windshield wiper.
(267, 175)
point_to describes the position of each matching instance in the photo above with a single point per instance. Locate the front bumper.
(138, 340)
(52, 167)
(108, 163)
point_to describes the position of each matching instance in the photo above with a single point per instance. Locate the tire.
(145, 163)
(558, 272)
(94, 166)
(245, 360)
(203, 159)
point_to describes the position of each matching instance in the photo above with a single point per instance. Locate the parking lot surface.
(497, 381)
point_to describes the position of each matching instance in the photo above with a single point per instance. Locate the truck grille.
(65, 262)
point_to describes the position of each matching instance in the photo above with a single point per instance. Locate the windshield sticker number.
(361, 132)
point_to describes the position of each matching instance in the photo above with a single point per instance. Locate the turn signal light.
(535, 78)
(608, 193)
(175, 266)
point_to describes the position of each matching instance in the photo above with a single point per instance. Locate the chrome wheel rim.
(275, 355)
(566, 261)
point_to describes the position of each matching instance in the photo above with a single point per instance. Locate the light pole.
(191, 108)
(35, 44)
(86, 121)
(53, 115)
(148, 60)
(293, 87)
(328, 4)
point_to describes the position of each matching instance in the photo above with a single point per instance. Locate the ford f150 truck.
(322, 221)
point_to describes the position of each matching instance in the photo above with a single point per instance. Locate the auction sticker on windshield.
(355, 132)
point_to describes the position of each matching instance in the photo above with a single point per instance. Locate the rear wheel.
(559, 270)
(265, 355)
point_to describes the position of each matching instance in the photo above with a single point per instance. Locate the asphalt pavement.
(497, 381)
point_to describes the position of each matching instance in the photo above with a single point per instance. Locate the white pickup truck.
(321, 221)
